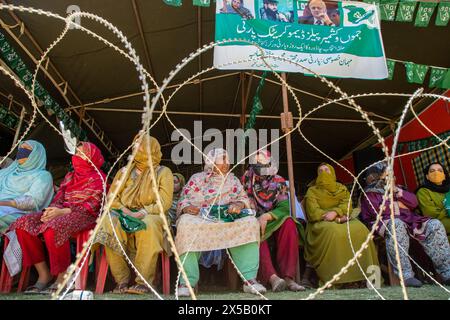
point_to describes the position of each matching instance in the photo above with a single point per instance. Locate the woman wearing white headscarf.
(216, 190)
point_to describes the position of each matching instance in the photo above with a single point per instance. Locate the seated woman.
(25, 185)
(217, 186)
(74, 209)
(135, 218)
(327, 246)
(431, 194)
(178, 183)
(429, 232)
(268, 194)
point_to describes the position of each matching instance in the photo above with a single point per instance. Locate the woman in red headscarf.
(74, 209)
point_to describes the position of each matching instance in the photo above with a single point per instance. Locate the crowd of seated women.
(213, 214)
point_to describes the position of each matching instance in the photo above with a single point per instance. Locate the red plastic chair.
(80, 283)
(103, 267)
(6, 280)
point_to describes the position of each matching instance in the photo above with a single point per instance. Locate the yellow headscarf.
(139, 193)
(151, 148)
(326, 180)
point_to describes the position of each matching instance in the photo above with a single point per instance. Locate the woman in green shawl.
(327, 241)
(431, 194)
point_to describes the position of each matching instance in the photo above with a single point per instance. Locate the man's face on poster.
(272, 6)
(318, 8)
(236, 4)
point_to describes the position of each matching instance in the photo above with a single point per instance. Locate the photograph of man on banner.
(277, 10)
(319, 12)
(236, 7)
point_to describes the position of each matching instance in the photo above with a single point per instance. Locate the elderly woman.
(74, 209)
(429, 232)
(327, 240)
(215, 190)
(136, 219)
(268, 194)
(431, 194)
(25, 185)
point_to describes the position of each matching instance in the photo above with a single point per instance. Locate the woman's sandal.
(51, 290)
(37, 288)
(278, 285)
(295, 287)
(138, 289)
(121, 288)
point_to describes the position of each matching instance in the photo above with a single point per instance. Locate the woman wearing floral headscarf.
(268, 194)
(430, 233)
(136, 219)
(25, 185)
(204, 192)
(327, 246)
(431, 195)
(74, 209)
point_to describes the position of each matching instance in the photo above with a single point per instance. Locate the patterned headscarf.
(208, 188)
(213, 157)
(182, 181)
(264, 190)
(84, 186)
(85, 176)
(378, 185)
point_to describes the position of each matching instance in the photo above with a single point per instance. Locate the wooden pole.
(288, 148)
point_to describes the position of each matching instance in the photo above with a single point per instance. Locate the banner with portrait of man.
(335, 39)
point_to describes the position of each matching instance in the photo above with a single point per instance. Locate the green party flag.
(424, 13)
(446, 82)
(415, 73)
(387, 9)
(201, 3)
(174, 3)
(406, 10)
(12, 59)
(5, 47)
(2, 39)
(391, 66)
(257, 105)
(437, 77)
(443, 14)
(39, 91)
(3, 113)
(11, 121)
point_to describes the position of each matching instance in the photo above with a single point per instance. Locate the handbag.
(130, 224)
(219, 213)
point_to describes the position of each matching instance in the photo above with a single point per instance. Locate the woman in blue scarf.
(25, 185)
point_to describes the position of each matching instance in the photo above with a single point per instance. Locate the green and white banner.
(335, 39)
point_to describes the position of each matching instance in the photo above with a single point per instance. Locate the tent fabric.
(95, 72)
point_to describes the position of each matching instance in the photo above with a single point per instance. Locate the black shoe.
(413, 282)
